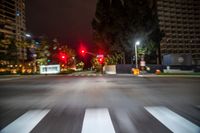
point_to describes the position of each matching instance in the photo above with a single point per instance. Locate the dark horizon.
(68, 21)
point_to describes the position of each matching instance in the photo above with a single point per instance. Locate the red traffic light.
(62, 56)
(100, 60)
(83, 51)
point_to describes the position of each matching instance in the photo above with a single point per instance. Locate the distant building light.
(28, 35)
(18, 13)
(37, 43)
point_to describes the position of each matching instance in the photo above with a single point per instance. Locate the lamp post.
(136, 60)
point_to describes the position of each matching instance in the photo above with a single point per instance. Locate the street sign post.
(100, 56)
(142, 63)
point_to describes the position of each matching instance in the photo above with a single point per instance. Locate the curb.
(170, 76)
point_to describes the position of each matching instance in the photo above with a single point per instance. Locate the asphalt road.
(99, 104)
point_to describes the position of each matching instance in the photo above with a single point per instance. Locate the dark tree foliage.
(119, 23)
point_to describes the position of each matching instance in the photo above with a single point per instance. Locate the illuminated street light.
(136, 60)
(137, 43)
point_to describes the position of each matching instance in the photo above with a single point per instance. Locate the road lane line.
(173, 121)
(97, 121)
(26, 122)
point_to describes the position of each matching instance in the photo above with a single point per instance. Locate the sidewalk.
(169, 76)
(11, 77)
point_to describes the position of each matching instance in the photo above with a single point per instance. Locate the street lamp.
(136, 60)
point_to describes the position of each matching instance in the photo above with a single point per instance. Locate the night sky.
(67, 20)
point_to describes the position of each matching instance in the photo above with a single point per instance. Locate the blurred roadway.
(106, 104)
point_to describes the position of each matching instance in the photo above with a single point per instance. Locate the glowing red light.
(62, 56)
(101, 60)
(82, 51)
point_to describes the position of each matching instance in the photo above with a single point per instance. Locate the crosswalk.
(173, 121)
(98, 120)
(26, 122)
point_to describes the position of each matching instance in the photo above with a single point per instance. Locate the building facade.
(12, 24)
(179, 20)
(12, 19)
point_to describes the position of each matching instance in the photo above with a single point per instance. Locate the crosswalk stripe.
(173, 121)
(97, 121)
(26, 122)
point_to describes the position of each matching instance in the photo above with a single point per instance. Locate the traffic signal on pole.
(101, 60)
(63, 57)
(83, 51)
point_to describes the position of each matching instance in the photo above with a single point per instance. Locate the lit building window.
(17, 13)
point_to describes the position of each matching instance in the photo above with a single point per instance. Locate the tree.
(118, 24)
(70, 55)
(113, 59)
(152, 52)
(56, 48)
(8, 51)
(42, 51)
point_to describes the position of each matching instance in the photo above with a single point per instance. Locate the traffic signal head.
(101, 60)
(82, 51)
(63, 57)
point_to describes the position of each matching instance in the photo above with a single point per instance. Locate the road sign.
(100, 56)
(49, 69)
(142, 63)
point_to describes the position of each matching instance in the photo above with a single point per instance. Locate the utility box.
(177, 59)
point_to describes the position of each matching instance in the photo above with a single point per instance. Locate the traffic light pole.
(96, 55)
(91, 53)
(101, 68)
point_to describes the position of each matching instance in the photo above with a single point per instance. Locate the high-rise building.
(180, 22)
(12, 25)
(12, 19)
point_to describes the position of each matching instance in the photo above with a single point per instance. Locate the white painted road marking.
(26, 122)
(97, 121)
(173, 121)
